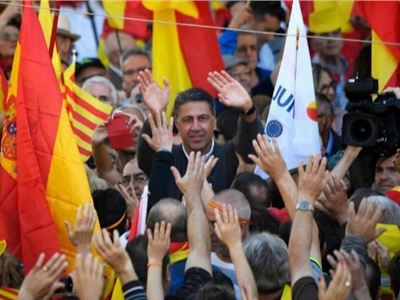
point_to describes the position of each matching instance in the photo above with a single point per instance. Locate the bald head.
(171, 211)
(112, 48)
(237, 200)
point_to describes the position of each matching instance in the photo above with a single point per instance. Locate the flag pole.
(57, 5)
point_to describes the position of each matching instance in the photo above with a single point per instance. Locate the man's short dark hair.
(193, 95)
(111, 209)
(261, 8)
(213, 291)
(172, 211)
(135, 52)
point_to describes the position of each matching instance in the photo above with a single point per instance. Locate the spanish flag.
(384, 19)
(45, 178)
(183, 54)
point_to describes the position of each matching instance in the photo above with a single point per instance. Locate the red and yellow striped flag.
(85, 112)
(183, 54)
(47, 169)
(8, 294)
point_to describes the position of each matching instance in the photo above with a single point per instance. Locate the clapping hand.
(162, 135)
(268, 157)
(159, 241)
(230, 92)
(88, 279)
(364, 222)
(227, 226)
(42, 280)
(154, 97)
(81, 234)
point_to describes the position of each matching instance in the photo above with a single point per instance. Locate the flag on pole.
(384, 19)
(183, 54)
(292, 118)
(85, 112)
(46, 167)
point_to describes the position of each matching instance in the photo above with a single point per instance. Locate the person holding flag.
(292, 118)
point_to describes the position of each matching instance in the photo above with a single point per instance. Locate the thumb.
(379, 232)
(147, 138)
(166, 82)
(68, 227)
(176, 174)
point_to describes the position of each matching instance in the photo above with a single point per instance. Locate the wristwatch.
(304, 206)
(249, 112)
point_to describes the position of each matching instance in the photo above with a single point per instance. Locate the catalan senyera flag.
(292, 118)
(3, 90)
(85, 112)
(384, 19)
(44, 164)
(183, 54)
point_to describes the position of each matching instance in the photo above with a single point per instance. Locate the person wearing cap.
(65, 39)
(238, 69)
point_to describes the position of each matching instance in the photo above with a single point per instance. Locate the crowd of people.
(215, 230)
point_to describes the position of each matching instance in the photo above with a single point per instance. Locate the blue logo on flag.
(274, 129)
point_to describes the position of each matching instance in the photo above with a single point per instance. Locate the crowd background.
(170, 129)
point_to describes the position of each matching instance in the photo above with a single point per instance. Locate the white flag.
(292, 118)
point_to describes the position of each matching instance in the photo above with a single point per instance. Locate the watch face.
(304, 205)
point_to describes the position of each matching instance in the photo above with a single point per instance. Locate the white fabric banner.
(292, 118)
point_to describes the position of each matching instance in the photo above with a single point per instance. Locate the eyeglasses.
(9, 37)
(326, 87)
(220, 208)
(244, 48)
(240, 74)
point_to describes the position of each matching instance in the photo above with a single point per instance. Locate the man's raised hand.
(162, 136)
(230, 92)
(154, 96)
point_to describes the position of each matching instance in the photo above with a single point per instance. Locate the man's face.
(247, 49)
(195, 123)
(327, 86)
(131, 68)
(8, 41)
(135, 178)
(100, 92)
(386, 177)
(328, 48)
(242, 74)
(269, 24)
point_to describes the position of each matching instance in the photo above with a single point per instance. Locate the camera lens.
(360, 130)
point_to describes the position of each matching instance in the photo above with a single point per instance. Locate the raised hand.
(81, 234)
(364, 222)
(131, 200)
(159, 241)
(193, 180)
(89, 279)
(340, 286)
(352, 260)
(230, 92)
(162, 136)
(209, 165)
(154, 97)
(43, 277)
(333, 199)
(268, 157)
(313, 179)
(100, 134)
(227, 226)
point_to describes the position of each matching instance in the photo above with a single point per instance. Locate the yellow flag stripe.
(384, 63)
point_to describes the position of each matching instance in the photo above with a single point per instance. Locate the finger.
(152, 124)
(255, 159)
(68, 227)
(191, 161)
(156, 231)
(168, 231)
(217, 214)
(163, 120)
(162, 230)
(227, 77)
(309, 164)
(222, 79)
(225, 214)
(99, 244)
(166, 82)
(321, 287)
(176, 174)
(158, 122)
(171, 126)
(257, 148)
(116, 240)
(106, 237)
(148, 139)
(235, 216)
(214, 82)
(351, 214)
(149, 234)
(262, 142)
(79, 216)
(379, 232)
(332, 261)
(230, 214)
(39, 261)
(322, 166)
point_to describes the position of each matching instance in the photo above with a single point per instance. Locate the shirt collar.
(205, 156)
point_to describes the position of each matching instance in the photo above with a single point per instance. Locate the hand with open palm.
(230, 92)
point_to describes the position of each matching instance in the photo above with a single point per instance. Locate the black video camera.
(371, 124)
